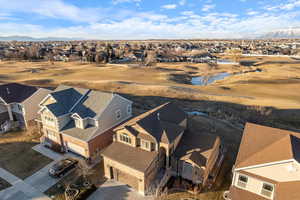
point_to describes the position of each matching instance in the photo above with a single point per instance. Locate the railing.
(168, 174)
(8, 125)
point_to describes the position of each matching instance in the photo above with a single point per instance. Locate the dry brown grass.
(17, 155)
(274, 86)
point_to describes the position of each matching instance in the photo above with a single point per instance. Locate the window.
(49, 121)
(118, 114)
(267, 190)
(51, 135)
(145, 144)
(242, 181)
(20, 107)
(125, 138)
(129, 109)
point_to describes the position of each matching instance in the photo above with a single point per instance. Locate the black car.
(62, 167)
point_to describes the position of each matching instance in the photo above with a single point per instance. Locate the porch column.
(11, 118)
(167, 159)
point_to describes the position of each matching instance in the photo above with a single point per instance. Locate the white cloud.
(208, 7)
(53, 9)
(169, 6)
(252, 13)
(290, 5)
(182, 2)
(125, 24)
(151, 25)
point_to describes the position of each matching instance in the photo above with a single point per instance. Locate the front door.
(111, 169)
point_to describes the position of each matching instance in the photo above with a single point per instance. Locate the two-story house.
(267, 165)
(81, 120)
(156, 142)
(19, 105)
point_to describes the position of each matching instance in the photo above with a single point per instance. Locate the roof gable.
(261, 144)
(162, 122)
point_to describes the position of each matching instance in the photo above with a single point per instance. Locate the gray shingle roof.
(31, 104)
(82, 134)
(66, 98)
(15, 92)
(92, 104)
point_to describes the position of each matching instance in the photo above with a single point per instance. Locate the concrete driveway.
(41, 179)
(116, 191)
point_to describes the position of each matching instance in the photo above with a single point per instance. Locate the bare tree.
(84, 170)
(151, 59)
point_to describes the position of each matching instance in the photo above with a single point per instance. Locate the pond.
(197, 113)
(226, 62)
(207, 80)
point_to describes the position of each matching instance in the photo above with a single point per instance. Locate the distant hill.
(33, 39)
(288, 33)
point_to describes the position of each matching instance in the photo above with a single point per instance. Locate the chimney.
(158, 116)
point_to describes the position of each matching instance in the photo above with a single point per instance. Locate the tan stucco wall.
(253, 185)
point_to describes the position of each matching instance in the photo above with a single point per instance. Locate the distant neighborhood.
(194, 51)
(150, 153)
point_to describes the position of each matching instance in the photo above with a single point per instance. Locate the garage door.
(76, 148)
(127, 179)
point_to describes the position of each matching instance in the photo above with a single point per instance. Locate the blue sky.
(147, 19)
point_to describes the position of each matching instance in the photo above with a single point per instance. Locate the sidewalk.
(34, 186)
(19, 190)
(47, 152)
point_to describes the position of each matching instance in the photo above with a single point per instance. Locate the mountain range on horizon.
(289, 33)
(35, 39)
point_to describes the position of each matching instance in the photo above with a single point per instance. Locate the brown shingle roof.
(196, 147)
(133, 157)
(161, 121)
(261, 144)
(288, 190)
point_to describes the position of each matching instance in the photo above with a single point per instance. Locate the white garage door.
(76, 148)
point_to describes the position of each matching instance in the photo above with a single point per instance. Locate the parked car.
(62, 167)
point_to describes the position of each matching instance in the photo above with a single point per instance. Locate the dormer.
(78, 121)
